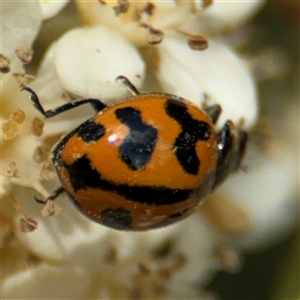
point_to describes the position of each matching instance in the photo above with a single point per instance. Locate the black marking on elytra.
(172, 219)
(57, 151)
(192, 131)
(138, 145)
(116, 218)
(91, 132)
(83, 176)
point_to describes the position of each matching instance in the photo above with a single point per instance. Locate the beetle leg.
(95, 103)
(52, 197)
(213, 112)
(131, 88)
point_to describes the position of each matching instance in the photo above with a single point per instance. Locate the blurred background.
(274, 53)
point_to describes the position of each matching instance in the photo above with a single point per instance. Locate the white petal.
(268, 192)
(28, 171)
(48, 282)
(51, 8)
(195, 236)
(20, 24)
(216, 71)
(225, 14)
(88, 60)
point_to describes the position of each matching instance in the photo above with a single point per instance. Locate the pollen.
(37, 126)
(18, 116)
(9, 130)
(4, 64)
(24, 53)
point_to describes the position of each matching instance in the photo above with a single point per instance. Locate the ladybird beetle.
(145, 162)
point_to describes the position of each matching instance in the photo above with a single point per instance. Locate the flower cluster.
(176, 47)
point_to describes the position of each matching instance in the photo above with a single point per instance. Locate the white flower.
(67, 255)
